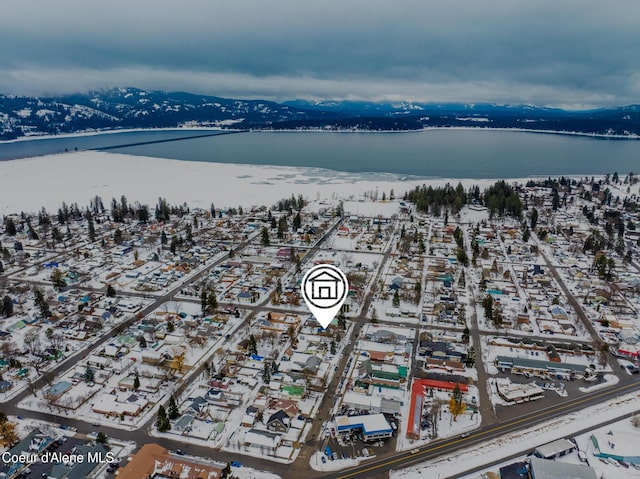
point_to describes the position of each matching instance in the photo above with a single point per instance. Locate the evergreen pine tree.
(212, 302)
(203, 300)
(7, 306)
(396, 299)
(266, 373)
(174, 412)
(57, 279)
(162, 421)
(253, 345)
(10, 227)
(91, 229)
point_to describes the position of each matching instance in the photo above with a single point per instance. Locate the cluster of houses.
(375, 384)
(36, 443)
(127, 375)
(241, 407)
(363, 234)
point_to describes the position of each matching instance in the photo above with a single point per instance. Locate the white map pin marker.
(324, 289)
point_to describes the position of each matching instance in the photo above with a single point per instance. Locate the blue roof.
(59, 388)
(369, 423)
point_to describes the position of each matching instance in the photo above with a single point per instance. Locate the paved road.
(487, 413)
(301, 466)
(159, 300)
(380, 467)
(140, 435)
(575, 304)
(526, 451)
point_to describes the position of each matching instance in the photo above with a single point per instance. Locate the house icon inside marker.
(324, 285)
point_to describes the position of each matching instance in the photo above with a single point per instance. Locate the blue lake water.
(53, 145)
(432, 153)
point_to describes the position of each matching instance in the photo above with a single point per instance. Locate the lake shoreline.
(435, 153)
(81, 134)
(80, 176)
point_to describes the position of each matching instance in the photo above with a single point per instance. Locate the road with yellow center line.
(380, 468)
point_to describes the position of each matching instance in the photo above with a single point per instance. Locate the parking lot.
(348, 446)
(39, 468)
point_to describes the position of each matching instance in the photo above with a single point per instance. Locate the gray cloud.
(571, 53)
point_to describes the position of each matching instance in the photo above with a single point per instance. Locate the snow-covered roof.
(109, 403)
(370, 423)
(553, 448)
(361, 400)
(258, 437)
(545, 469)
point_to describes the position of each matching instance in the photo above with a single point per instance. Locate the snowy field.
(83, 175)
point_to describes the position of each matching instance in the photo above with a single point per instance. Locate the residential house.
(262, 439)
(279, 422)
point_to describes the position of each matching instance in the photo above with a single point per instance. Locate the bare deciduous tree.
(32, 342)
(434, 414)
(56, 341)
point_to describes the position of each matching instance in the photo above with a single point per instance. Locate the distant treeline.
(501, 199)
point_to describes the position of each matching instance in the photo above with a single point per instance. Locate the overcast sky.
(571, 53)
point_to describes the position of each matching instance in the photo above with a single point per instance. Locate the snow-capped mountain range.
(121, 108)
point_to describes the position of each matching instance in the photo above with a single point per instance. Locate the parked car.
(235, 464)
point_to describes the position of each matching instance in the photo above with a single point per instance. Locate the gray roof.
(184, 422)
(197, 402)
(556, 447)
(545, 469)
(20, 448)
(390, 405)
(382, 335)
(311, 364)
(79, 470)
(537, 364)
